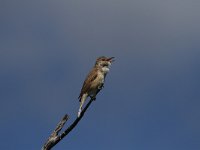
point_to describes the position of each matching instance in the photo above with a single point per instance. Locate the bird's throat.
(105, 69)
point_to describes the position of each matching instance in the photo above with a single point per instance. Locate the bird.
(94, 81)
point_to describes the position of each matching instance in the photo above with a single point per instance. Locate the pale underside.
(92, 84)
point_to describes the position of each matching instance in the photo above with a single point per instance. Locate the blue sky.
(151, 97)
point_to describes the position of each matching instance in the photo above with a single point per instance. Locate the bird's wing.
(87, 83)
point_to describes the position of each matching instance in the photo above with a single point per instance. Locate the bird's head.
(104, 61)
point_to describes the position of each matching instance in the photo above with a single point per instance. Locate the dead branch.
(55, 138)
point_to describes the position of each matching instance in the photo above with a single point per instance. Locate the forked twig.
(55, 138)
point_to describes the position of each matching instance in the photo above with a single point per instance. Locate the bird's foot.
(101, 87)
(93, 98)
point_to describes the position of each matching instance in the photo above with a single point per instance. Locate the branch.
(55, 138)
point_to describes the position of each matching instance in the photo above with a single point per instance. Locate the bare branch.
(55, 138)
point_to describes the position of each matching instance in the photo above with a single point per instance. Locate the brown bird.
(94, 81)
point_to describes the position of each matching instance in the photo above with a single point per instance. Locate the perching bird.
(94, 82)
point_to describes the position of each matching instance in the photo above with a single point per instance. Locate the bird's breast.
(101, 77)
(98, 81)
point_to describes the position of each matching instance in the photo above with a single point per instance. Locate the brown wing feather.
(86, 85)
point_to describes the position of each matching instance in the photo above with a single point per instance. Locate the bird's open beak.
(111, 59)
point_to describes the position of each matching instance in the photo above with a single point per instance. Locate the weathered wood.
(55, 138)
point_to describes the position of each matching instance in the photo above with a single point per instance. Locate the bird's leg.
(98, 90)
(93, 98)
(100, 86)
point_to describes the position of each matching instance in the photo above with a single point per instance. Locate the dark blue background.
(151, 98)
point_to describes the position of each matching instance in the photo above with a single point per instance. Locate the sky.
(151, 97)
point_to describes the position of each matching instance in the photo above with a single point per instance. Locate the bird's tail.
(82, 100)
